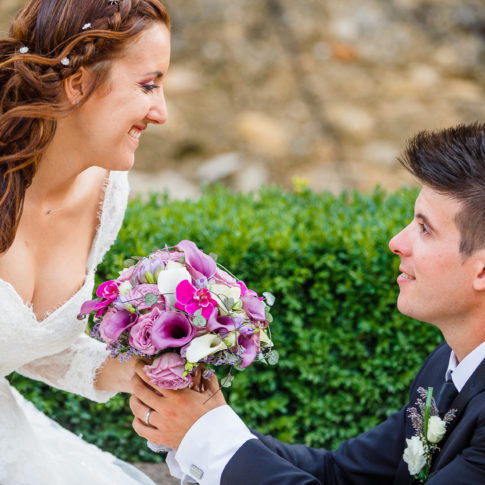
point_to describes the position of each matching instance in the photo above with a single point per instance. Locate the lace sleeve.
(73, 370)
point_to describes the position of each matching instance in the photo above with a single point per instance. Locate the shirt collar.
(461, 372)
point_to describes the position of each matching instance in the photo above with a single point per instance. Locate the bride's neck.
(57, 174)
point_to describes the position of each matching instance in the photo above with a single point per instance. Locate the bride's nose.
(158, 110)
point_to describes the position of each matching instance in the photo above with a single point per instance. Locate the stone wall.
(318, 91)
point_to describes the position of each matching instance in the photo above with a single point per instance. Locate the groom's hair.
(452, 162)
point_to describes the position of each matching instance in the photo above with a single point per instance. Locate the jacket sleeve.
(371, 458)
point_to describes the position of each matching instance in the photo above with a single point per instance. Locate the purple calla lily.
(172, 329)
(114, 323)
(222, 324)
(254, 307)
(251, 346)
(201, 262)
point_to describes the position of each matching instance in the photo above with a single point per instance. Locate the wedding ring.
(147, 417)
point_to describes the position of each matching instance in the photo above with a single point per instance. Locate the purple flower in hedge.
(114, 323)
(167, 372)
(199, 261)
(171, 329)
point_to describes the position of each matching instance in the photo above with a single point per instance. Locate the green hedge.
(347, 356)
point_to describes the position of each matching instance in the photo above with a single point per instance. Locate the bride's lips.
(135, 133)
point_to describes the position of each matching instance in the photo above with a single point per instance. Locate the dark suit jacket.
(375, 457)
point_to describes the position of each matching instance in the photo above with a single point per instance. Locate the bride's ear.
(479, 270)
(77, 85)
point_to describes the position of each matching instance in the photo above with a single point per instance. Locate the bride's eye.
(149, 87)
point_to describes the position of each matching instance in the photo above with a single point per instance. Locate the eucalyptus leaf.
(198, 313)
(228, 303)
(273, 357)
(227, 381)
(199, 321)
(150, 299)
(269, 297)
(128, 262)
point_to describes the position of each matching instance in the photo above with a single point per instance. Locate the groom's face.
(435, 282)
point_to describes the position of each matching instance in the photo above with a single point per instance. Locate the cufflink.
(196, 472)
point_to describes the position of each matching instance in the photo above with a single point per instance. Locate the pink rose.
(141, 333)
(167, 372)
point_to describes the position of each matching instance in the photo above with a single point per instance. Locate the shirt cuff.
(210, 443)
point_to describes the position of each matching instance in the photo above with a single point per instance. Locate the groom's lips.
(405, 276)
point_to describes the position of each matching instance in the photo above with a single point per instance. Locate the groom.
(441, 281)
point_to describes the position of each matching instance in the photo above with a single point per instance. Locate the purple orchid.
(171, 329)
(190, 299)
(202, 263)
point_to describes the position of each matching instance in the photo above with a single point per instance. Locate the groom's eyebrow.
(426, 221)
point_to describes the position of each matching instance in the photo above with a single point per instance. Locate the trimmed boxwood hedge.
(347, 356)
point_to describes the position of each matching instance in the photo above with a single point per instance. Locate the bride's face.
(107, 127)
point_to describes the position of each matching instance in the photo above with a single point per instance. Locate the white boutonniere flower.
(414, 455)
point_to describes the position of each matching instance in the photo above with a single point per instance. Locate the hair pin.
(87, 26)
(24, 50)
(113, 2)
(65, 61)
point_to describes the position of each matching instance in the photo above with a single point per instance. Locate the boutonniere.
(430, 429)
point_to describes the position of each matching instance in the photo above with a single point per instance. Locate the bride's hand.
(117, 376)
(170, 413)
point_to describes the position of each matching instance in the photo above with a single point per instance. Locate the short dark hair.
(452, 162)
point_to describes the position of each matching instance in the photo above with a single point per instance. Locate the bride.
(79, 82)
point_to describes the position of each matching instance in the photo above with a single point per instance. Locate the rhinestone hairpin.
(113, 2)
(65, 61)
(86, 26)
(24, 50)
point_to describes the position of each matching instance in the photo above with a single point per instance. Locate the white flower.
(170, 277)
(125, 287)
(221, 292)
(414, 455)
(436, 429)
(230, 339)
(265, 340)
(203, 346)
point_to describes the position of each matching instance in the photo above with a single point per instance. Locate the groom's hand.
(172, 412)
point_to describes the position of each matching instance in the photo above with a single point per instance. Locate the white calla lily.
(170, 277)
(221, 292)
(203, 346)
(125, 287)
(265, 340)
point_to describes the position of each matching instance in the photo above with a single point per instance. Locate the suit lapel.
(474, 385)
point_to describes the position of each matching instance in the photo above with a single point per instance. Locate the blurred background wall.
(323, 92)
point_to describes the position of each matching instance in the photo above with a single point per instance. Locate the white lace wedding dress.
(34, 450)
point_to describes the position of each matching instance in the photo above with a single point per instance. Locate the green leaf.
(269, 298)
(199, 321)
(150, 299)
(228, 303)
(273, 358)
(226, 381)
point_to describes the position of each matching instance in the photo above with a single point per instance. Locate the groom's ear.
(479, 270)
(78, 85)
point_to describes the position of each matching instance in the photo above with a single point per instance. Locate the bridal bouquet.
(179, 309)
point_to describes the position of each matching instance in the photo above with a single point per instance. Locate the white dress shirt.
(215, 438)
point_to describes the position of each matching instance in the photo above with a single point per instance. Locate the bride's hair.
(49, 41)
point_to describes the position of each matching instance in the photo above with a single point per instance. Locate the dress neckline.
(90, 264)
